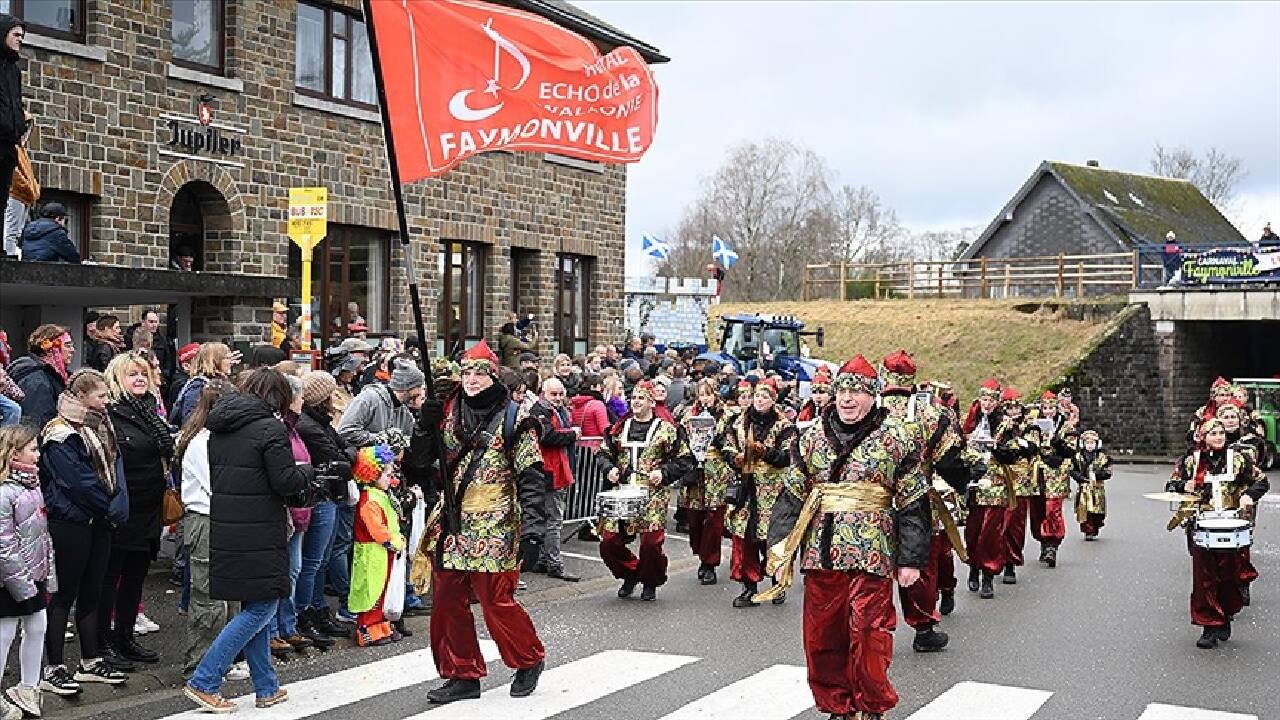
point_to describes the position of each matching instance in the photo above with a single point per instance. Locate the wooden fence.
(1049, 276)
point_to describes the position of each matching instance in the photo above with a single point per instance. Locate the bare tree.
(1216, 174)
(863, 225)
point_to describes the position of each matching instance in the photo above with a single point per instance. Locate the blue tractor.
(771, 342)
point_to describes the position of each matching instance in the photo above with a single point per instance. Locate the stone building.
(1086, 209)
(165, 125)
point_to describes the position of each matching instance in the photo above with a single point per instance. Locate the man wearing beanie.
(489, 521)
(856, 511)
(647, 451)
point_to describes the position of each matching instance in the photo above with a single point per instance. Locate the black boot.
(400, 627)
(455, 690)
(307, 627)
(987, 591)
(708, 577)
(1224, 632)
(1010, 577)
(526, 680)
(1244, 593)
(973, 579)
(628, 587)
(1044, 552)
(324, 623)
(929, 640)
(649, 593)
(1208, 639)
(1051, 556)
(133, 652)
(744, 598)
(948, 603)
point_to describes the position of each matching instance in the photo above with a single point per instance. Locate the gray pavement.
(1106, 633)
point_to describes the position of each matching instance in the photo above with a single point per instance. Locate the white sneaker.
(27, 699)
(144, 625)
(238, 671)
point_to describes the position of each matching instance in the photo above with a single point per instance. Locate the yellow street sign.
(308, 216)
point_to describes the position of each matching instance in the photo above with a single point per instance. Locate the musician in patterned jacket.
(1215, 576)
(645, 450)
(857, 513)
(1091, 469)
(1053, 476)
(1242, 436)
(702, 492)
(989, 496)
(757, 446)
(945, 459)
(489, 521)
(1017, 448)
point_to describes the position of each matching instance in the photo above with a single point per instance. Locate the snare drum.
(624, 503)
(1222, 532)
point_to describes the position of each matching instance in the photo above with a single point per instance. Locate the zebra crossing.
(778, 692)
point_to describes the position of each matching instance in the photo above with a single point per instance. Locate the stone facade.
(1119, 389)
(1047, 222)
(673, 310)
(102, 110)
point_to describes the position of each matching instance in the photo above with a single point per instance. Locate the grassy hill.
(962, 342)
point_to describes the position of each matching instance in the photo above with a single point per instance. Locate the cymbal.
(1171, 497)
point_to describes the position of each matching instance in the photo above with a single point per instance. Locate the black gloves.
(530, 551)
(778, 457)
(431, 416)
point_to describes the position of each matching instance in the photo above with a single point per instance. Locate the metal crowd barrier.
(588, 481)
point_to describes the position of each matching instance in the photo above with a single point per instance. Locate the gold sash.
(478, 499)
(823, 498)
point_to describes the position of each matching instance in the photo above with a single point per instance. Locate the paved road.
(1105, 635)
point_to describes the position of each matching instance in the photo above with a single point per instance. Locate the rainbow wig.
(371, 460)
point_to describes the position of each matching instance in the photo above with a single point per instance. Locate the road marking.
(775, 693)
(567, 687)
(982, 701)
(335, 690)
(592, 558)
(1156, 711)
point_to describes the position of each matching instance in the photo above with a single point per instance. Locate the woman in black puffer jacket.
(252, 475)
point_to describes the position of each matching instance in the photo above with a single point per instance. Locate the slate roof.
(1135, 209)
(583, 22)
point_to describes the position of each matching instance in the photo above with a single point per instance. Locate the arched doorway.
(199, 219)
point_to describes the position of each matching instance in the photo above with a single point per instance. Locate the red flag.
(464, 77)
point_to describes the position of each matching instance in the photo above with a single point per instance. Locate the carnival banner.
(464, 77)
(1230, 266)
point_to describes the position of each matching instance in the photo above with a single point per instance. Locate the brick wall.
(99, 133)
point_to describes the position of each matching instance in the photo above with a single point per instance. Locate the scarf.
(145, 407)
(23, 474)
(56, 360)
(97, 433)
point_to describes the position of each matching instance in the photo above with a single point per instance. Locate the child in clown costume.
(377, 541)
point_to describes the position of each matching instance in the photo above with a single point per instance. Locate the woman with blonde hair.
(82, 479)
(146, 447)
(213, 360)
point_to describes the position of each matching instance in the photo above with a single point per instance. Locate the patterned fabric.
(666, 445)
(716, 473)
(924, 427)
(1057, 481)
(769, 480)
(1022, 469)
(1092, 498)
(488, 541)
(860, 541)
(1243, 473)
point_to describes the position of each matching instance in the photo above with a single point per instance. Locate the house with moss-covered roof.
(1085, 209)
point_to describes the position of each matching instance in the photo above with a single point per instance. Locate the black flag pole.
(415, 297)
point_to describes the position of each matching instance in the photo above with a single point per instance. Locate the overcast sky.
(946, 109)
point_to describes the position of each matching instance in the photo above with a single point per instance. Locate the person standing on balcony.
(13, 124)
(1171, 256)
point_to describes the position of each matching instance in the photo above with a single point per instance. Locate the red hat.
(188, 352)
(1010, 395)
(643, 389)
(821, 378)
(857, 374)
(1048, 396)
(990, 387)
(898, 371)
(768, 384)
(1220, 382)
(478, 355)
